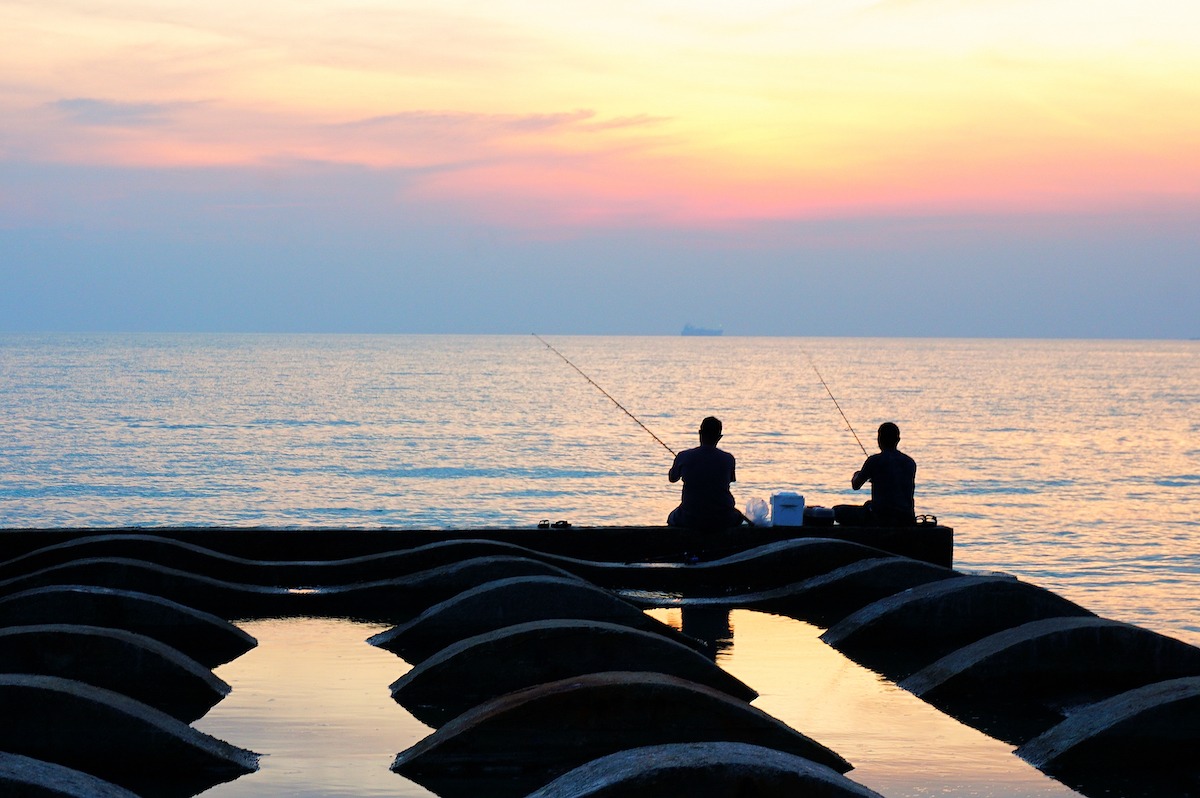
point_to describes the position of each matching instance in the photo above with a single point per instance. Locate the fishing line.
(849, 426)
(631, 415)
(606, 393)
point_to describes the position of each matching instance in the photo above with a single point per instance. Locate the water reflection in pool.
(313, 699)
(899, 745)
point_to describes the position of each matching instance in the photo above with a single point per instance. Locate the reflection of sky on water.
(313, 698)
(900, 746)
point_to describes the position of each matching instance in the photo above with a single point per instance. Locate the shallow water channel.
(313, 699)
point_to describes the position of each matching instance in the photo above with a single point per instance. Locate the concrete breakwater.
(540, 674)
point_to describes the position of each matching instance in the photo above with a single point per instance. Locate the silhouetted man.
(892, 475)
(706, 472)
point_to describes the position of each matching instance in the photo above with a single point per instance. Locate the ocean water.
(1072, 464)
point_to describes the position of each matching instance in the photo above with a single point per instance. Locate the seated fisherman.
(706, 472)
(892, 475)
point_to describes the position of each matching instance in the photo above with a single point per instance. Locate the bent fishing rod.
(606, 393)
(849, 426)
(623, 410)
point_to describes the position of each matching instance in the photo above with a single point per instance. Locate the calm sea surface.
(1072, 464)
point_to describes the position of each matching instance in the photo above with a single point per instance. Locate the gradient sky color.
(843, 167)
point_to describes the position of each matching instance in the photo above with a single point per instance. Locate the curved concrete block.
(702, 769)
(899, 635)
(226, 599)
(202, 561)
(506, 602)
(22, 777)
(1019, 682)
(826, 599)
(204, 637)
(112, 737)
(130, 664)
(397, 600)
(751, 571)
(391, 599)
(466, 674)
(154, 549)
(542, 732)
(433, 555)
(1145, 738)
(388, 600)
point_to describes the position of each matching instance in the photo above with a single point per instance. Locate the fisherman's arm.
(860, 476)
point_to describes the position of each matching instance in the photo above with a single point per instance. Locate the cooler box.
(787, 509)
(818, 516)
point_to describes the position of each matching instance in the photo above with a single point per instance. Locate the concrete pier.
(579, 671)
(1018, 683)
(542, 732)
(1143, 740)
(702, 769)
(112, 737)
(23, 777)
(204, 637)
(464, 674)
(505, 602)
(124, 662)
(903, 633)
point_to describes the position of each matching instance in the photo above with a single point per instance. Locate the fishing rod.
(623, 410)
(849, 426)
(606, 393)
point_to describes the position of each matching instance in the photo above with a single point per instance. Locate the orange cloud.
(637, 115)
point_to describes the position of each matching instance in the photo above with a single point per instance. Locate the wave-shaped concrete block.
(505, 602)
(22, 777)
(402, 599)
(468, 673)
(1019, 682)
(828, 598)
(702, 769)
(217, 596)
(113, 737)
(155, 549)
(751, 570)
(204, 637)
(542, 732)
(384, 600)
(899, 635)
(1144, 738)
(124, 662)
(202, 561)
(754, 570)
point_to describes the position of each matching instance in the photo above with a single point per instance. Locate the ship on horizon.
(690, 329)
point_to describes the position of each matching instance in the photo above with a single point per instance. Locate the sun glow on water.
(1060, 462)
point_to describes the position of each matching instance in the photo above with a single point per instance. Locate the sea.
(1072, 464)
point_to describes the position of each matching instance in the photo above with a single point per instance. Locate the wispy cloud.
(550, 121)
(110, 113)
(584, 119)
(622, 122)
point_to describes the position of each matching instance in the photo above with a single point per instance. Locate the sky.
(989, 168)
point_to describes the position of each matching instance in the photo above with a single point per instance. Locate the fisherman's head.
(710, 430)
(889, 435)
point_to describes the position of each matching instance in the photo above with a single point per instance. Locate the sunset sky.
(834, 167)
